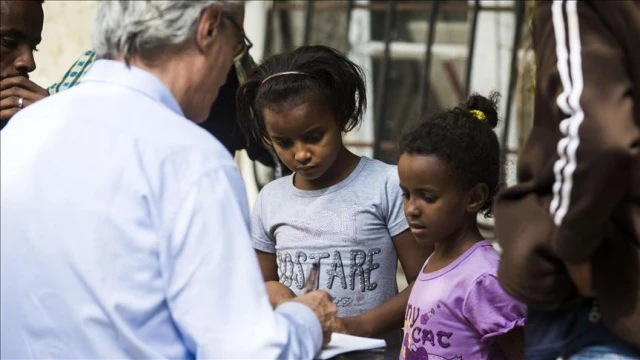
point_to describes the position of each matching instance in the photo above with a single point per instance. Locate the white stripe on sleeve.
(569, 102)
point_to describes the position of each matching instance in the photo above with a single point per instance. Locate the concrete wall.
(65, 36)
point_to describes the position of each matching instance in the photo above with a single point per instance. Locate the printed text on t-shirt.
(292, 267)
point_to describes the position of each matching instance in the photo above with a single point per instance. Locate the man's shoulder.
(153, 122)
(152, 126)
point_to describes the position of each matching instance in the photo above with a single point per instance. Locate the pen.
(312, 279)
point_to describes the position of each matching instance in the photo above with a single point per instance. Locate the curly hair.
(463, 137)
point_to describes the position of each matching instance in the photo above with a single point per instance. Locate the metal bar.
(350, 5)
(452, 75)
(268, 37)
(384, 145)
(285, 30)
(472, 44)
(425, 83)
(380, 105)
(390, 145)
(409, 6)
(512, 76)
(308, 21)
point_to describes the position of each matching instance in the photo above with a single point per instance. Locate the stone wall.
(65, 36)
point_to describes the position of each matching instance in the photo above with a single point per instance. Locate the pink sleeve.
(490, 309)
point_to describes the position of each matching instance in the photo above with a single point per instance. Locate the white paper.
(342, 343)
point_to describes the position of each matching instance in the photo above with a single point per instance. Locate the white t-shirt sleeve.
(213, 284)
(259, 233)
(392, 197)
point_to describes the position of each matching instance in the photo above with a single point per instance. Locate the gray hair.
(146, 29)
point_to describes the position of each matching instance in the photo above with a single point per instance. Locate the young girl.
(339, 210)
(449, 171)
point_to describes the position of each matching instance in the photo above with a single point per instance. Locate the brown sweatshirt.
(578, 192)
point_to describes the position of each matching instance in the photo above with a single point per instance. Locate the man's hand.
(324, 308)
(582, 279)
(14, 88)
(278, 293)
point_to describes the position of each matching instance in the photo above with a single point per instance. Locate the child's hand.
(278, 293)
(351, 325)
(324, 308)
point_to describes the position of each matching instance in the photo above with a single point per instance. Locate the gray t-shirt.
(347, 228)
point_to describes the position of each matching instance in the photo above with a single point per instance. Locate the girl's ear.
(477, 197)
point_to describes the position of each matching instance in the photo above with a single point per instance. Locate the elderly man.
(20, 29)
(124, 225)
(221, 122)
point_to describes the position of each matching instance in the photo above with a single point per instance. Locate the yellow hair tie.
(478, 115)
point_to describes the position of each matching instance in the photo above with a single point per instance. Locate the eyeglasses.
(242, 46)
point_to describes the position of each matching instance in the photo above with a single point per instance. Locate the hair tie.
(283, 74)
(478, 115)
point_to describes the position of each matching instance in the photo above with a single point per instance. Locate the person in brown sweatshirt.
(570, 228)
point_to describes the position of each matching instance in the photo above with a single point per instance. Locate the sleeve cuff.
(507, 327)
(398, 228)
(303, 317)
(268, 248)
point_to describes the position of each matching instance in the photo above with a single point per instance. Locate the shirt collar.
(116, 72)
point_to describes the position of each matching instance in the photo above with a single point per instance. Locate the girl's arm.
(277, 292)
(268, 265)
(412, 255)
(512, 344)
(390, 315)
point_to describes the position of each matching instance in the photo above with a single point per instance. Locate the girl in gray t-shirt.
(339, 210)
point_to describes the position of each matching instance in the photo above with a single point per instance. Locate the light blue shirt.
(125, 234)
